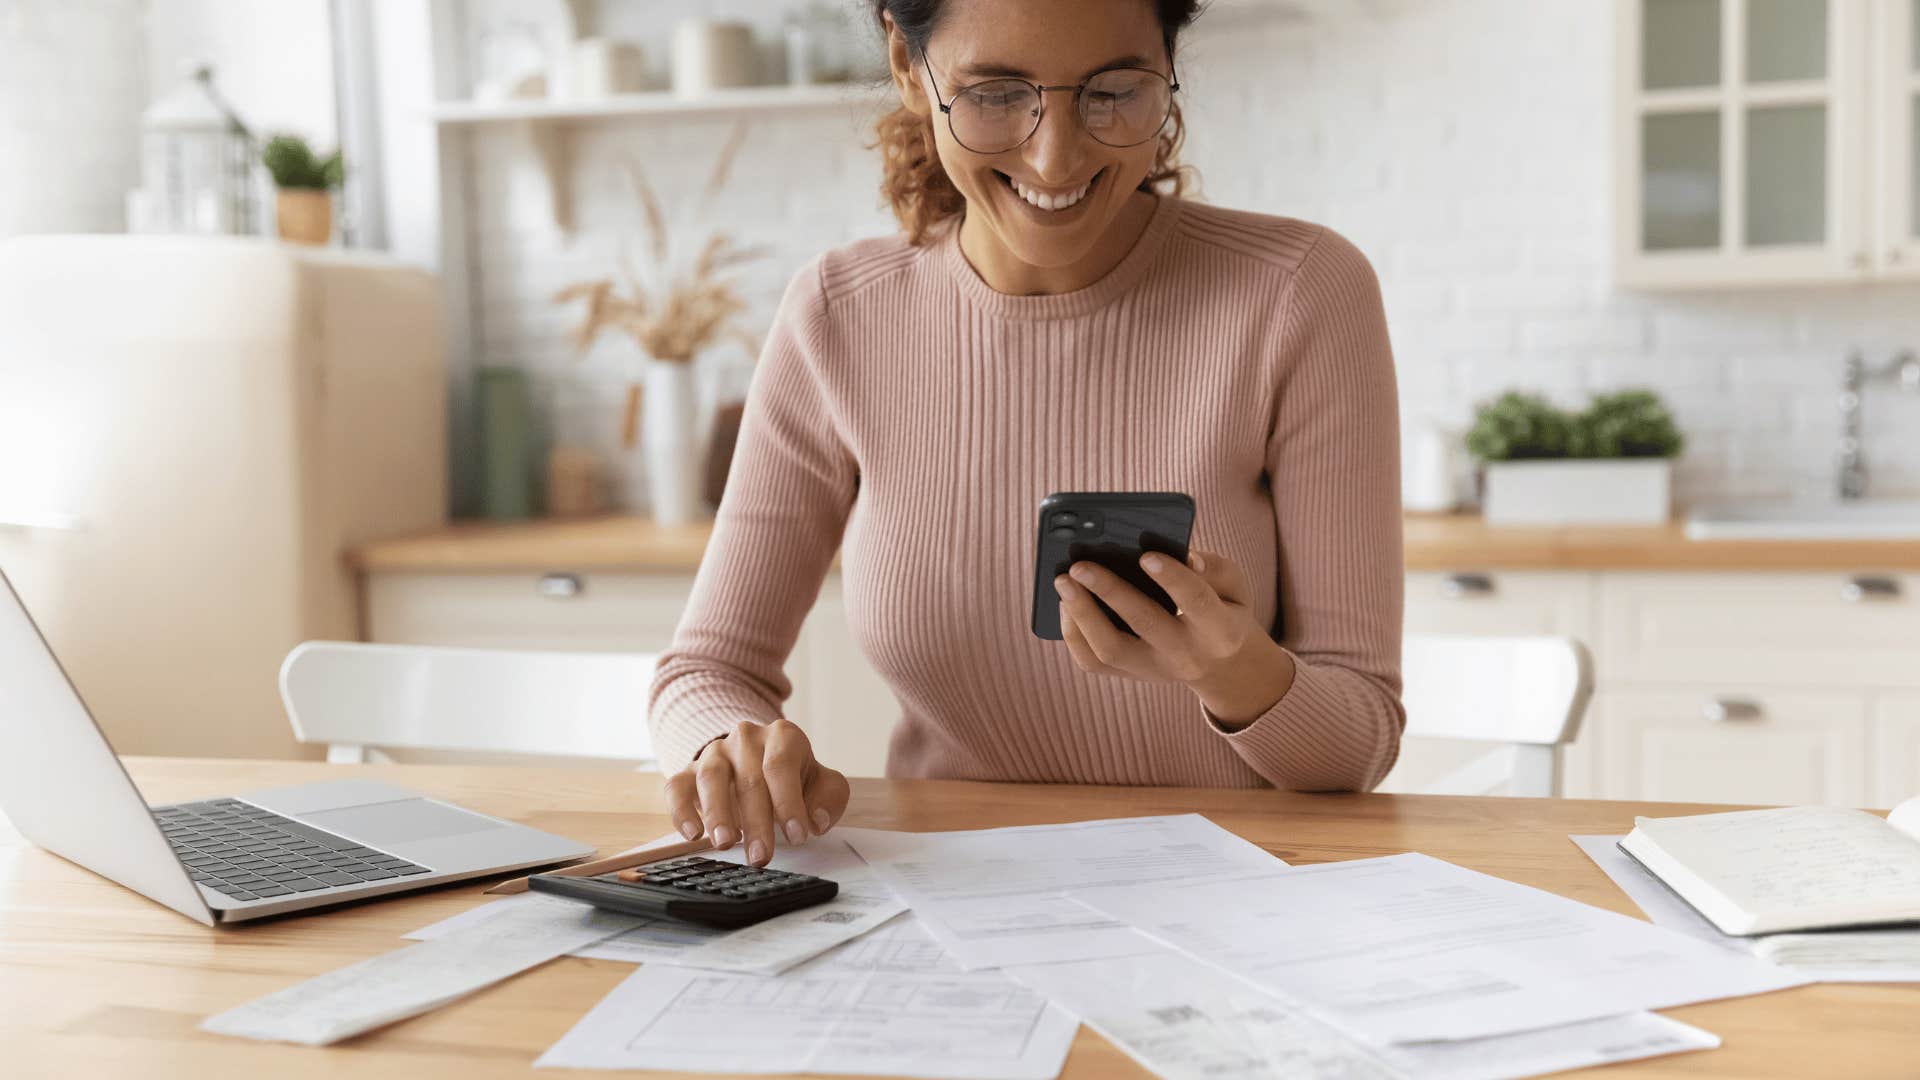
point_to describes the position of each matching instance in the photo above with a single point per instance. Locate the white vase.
(669, 441)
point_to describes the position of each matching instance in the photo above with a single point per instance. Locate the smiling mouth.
(1049, 201)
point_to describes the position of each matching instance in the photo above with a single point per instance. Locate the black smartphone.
(1112, 528)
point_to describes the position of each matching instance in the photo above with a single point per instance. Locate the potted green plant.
(305, 183)
(1610, 464)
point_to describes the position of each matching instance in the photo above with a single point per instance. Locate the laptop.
(233, 858)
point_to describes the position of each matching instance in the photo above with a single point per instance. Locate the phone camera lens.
(1064, 532)
(1066, 518)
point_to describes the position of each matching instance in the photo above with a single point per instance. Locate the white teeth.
(1049, 202)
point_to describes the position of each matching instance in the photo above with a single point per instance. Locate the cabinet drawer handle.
(560, 586)
(1861, 589)
(1726, 710)
(1462, 586)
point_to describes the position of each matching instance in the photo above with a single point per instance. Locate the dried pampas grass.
(671, 313)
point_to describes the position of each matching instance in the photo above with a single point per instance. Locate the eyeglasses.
(1119, 107)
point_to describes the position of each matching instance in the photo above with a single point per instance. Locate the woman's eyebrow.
(984, 70)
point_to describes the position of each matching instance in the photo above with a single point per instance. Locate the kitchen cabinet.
(1896, 749)
(1497, 603)
(1732, 744)
(1744, 687)
(557, 610)
(1898, 77)
(1735, 671)
(1500, 602)
(1764, 142)
(845, 707)
(1769, 629)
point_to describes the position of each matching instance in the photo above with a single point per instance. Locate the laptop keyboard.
(248, 853)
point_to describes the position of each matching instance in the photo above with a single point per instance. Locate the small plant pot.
(305, 217)
(1613, 492)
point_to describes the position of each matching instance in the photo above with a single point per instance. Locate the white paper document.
(1899, 949)
(1188, 1021)
(889, 1003)
(764, 948)
(998, 896)
(417, 978)
(1408, 948)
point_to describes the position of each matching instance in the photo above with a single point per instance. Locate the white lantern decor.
(197, 165)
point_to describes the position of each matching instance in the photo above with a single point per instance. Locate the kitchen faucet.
(1905, 368)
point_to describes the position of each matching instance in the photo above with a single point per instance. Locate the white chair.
(357, 698)
(1527, 694)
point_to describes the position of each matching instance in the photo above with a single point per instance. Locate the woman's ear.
(906, 73)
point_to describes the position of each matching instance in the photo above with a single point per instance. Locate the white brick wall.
(1462, 144)
(71, 90)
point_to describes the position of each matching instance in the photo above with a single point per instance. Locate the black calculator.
(696, 890)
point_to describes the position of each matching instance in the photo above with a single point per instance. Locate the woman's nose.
(1058, 146)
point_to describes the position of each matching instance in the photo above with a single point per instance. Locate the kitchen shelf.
(543, 123)
(746, 99)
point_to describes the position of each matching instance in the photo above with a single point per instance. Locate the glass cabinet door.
(1682, 180)
(1786, 138)
(1738, 138)
(1897, 41)
(1913, 120)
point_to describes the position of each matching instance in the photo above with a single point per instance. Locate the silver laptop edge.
(66, 790)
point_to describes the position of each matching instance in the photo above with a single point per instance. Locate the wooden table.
(96, 981)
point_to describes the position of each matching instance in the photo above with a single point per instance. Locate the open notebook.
(1795, 868)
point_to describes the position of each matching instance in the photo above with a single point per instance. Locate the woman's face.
(1049, 200)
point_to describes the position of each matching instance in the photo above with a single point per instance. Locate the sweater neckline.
(1117, 281)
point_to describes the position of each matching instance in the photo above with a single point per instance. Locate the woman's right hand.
(759, 783)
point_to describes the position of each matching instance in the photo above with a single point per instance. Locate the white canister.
(600, 68)
(799, 42)
(1431, 469)
(710, 55)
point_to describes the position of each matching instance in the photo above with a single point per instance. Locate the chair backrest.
(1527, 694)
(356, 696)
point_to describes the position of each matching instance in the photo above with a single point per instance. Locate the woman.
(1049, 320)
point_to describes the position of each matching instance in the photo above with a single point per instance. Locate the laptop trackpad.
(399, 822)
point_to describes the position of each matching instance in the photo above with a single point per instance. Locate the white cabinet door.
(1765, 629)
(559, 611)
(1515, 602)
(1897, 103)
(1741, 142)
(1497, 603)
(846, 708)
(1896, 749)
(1733, 745)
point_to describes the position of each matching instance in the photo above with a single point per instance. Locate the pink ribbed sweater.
(909, 415)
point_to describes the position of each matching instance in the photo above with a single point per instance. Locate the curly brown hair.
(914, 183)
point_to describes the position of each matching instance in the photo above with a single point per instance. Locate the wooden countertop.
(97, 981)
(1433, 542)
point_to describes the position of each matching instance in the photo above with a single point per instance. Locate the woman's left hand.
(1213, 645)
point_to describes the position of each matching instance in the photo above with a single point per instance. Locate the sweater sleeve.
(789, 490)
(1333, 466)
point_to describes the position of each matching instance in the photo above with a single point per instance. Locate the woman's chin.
(1053, 251)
